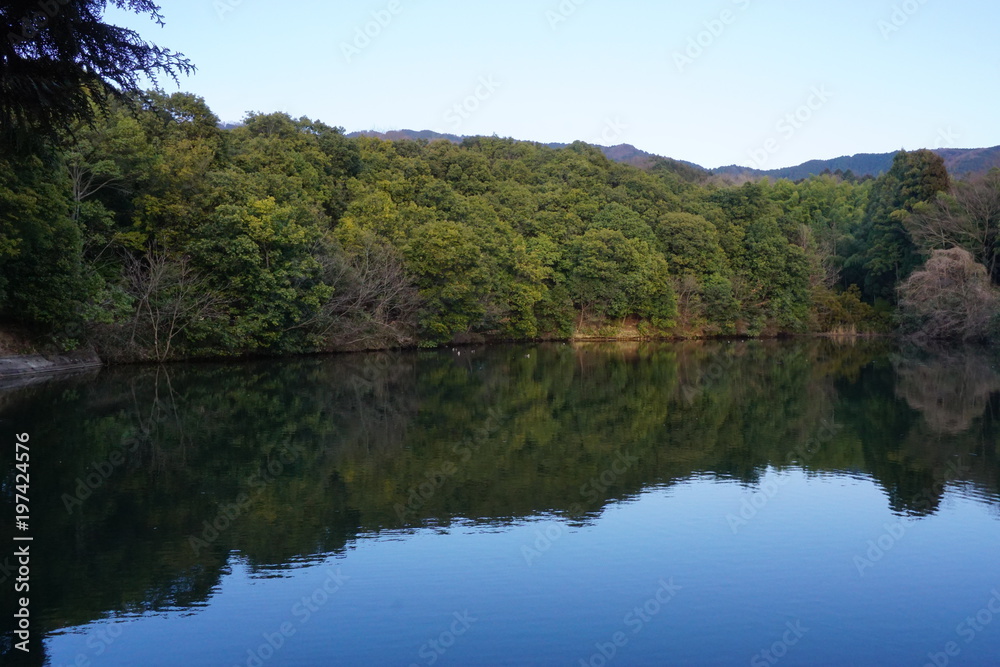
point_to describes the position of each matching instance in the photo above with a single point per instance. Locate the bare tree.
(374, 303)
(168, 298)
(950, 297)
(687, 288)
(968, 218)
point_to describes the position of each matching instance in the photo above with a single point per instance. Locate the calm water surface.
(746, 503)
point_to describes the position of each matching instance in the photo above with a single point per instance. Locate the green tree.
(615, 276)
(449, 269)
(691, 244)
(42, 277)
(625, 220)
(262, 265)
(888, 253)
(57, 60)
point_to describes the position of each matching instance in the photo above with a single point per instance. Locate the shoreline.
(14, 367)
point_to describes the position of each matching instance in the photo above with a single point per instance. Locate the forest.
(153, 234)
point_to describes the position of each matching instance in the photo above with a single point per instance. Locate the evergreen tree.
(58, 58)
(889, 255)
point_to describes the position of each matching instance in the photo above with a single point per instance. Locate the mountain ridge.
(961, 162)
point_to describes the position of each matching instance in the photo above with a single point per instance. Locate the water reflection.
(951, 390)
(153, 479)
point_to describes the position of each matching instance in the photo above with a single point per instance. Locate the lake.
(719, 503)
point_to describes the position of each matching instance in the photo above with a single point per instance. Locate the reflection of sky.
(795, 560)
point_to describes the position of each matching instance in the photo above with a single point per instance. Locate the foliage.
(888, 254)
(968, 217)
(42, 274)
(450, 272)
(58, 59)
(845, 312)
(301, 239)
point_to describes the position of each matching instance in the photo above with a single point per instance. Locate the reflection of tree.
(918, 431)
(519, 430)
(950, 389)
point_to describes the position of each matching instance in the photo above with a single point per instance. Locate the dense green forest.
(153, 234)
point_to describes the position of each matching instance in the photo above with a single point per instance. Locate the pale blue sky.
(609, 72)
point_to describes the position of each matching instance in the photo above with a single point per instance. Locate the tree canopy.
(152, 233)
(58, 58)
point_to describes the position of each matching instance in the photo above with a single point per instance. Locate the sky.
(760, 83)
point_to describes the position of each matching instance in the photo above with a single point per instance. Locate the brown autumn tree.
(950, 297)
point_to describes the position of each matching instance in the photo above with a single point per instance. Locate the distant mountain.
(629, 154)
(863, 164)
(624, 153)
(961, 162)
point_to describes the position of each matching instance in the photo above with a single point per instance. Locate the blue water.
(873, 546)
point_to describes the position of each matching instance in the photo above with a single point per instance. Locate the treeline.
(154, 234)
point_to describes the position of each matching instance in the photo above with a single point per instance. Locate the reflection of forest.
(950, 390)
(397, 440)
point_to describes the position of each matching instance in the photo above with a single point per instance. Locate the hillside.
(413, 135)
(622, 153)
(960, 162)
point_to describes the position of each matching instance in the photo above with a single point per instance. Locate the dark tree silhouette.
(59, 62)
